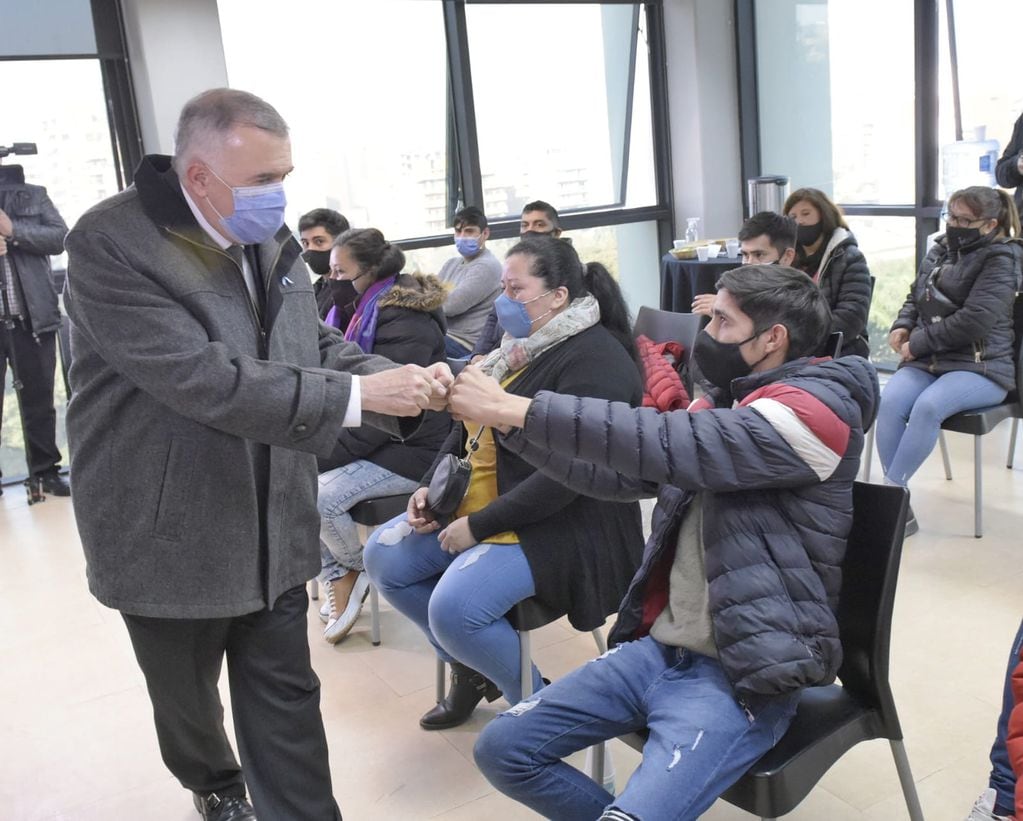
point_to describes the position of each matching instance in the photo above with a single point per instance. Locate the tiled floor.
(76, 738)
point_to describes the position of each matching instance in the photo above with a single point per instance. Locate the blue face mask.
(467, 246)
(513, 316)
(258, 211)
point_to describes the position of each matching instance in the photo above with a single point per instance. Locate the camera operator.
(31, 230)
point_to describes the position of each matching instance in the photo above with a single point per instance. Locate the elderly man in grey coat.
(204, 387)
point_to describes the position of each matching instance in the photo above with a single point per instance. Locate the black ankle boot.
(467, 689)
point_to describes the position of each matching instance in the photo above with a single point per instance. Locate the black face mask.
(808, 234)
(343, 292)
(318, 261)
(960, 238)
(721, 362)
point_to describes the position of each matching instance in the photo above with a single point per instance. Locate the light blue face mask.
(258, 211)
(467, 246)
(512, 315)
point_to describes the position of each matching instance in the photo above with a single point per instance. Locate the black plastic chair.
(369, 514)
(984, 420)
(668, 326)
(830, 720)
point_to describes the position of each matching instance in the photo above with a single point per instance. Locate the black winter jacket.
(978, 337)
(410, 331)
(1006, 172)
(39, 233)
(582, 552)
(776, 473)
(844, 279)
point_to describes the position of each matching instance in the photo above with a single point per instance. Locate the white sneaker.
(339, 627)
(984, 808)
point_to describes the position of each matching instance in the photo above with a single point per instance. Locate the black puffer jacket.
(982, 278)
(776, 474)
(410, 331)
(1007, 170)
(39, 233)
(844, 279)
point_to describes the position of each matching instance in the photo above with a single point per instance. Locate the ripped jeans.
(458, 601)
(701, 738)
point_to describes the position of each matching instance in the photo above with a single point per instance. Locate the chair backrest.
(833, 345)
(669, 326)
(869, 576)
(1017, 347)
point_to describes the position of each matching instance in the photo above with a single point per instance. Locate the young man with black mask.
(317, 231)
(732, 612)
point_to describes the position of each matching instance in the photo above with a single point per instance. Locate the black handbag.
(450, 483)
(934, 306)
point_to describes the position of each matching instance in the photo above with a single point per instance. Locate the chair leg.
(868, 454)
(906, 779)
(314, 589)
(598, 637)
(1012, 444)
(441, 670)
(978, 499)
(525, 664)
(374, 615)
(944, 455)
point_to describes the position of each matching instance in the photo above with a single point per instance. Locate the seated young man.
(317, 230)
(766, 238)
(475, 280)
(732, 612)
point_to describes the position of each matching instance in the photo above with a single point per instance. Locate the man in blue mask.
(474, 277)
(204, 388)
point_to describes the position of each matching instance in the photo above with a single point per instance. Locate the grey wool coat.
(194, 426)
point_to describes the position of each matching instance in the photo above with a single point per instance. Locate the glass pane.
(553, 128)
(830, 116)
(889, 246)
(367, 119)
(75, 160)
(32, 29)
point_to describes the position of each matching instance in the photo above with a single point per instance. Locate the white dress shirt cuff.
(353, 416)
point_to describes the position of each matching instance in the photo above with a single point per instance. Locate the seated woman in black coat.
(518, 533)
(398, 316)
(954, 333)
(827, 252)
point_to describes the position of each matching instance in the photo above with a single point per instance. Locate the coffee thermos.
(766, 194)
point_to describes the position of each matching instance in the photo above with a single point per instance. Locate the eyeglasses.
(961, 222)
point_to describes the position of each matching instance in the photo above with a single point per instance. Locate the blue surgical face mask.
(258, 211)
(467, 246)
(513, 316)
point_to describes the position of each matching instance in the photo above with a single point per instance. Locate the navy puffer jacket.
(776, 473)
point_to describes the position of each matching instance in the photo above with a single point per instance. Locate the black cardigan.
(582, 552)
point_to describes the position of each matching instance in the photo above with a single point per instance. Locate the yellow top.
(482, 488)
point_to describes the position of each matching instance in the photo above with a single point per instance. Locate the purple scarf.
(362, 330)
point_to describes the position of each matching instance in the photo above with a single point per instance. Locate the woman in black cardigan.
(519, 533)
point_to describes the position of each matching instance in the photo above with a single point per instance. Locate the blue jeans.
(458, 601)
(1003, 779)
(702, 739)
(455, 349)
(340, 490)
(914, 403)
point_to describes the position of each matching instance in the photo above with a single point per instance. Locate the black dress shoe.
(467, 689)
(223, 808)
(55, 484)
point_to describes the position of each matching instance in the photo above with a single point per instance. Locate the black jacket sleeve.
(43, 235)
(1006, 172)
(852, 305)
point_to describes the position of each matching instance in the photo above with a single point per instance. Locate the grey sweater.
(475, 284)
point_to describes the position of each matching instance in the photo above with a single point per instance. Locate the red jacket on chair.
(662, 386)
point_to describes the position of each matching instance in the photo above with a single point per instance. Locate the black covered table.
(683, 279)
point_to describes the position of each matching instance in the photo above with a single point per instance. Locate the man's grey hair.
(212, 114)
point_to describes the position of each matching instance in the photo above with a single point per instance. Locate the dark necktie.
(250, 253)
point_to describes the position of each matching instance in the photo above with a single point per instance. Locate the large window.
(398, 129)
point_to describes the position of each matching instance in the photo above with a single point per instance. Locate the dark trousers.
(36, 362)
(275, 701)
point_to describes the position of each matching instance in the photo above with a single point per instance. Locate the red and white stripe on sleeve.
(814, 431)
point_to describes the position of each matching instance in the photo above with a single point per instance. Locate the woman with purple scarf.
(398, 316)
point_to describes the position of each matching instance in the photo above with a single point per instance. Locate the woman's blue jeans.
(701, 738)
(340, 490)
(914, 403)
(458, 601)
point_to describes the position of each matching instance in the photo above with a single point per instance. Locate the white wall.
(704, 106)
(175, 51)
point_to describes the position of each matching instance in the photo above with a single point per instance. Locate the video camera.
(14, 174)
